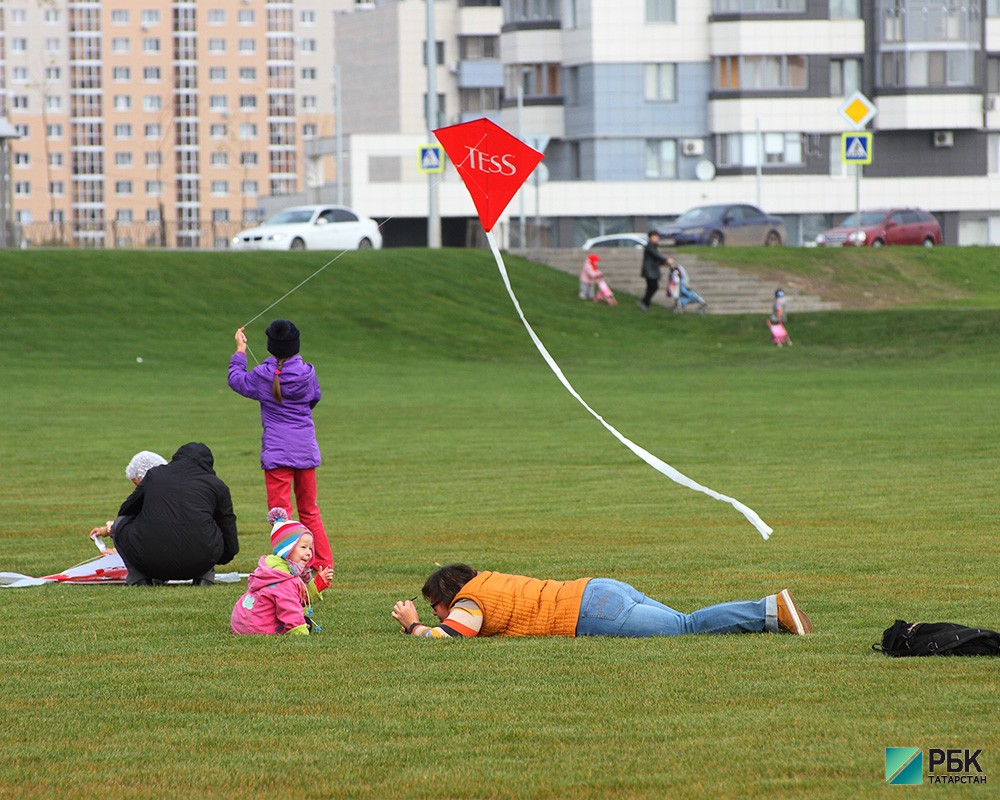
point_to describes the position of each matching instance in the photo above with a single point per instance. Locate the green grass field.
(870, 447)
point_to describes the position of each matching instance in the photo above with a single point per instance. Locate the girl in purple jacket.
(287, 390)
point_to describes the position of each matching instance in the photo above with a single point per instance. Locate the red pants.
(279, 484)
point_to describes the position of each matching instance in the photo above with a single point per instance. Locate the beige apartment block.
(161, 122)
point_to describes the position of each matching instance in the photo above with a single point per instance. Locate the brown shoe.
(791, 618)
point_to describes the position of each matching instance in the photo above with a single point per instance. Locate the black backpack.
(937, 639)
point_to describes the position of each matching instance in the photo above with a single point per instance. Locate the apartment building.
(160, 122)
(218, 111)
(649, 107)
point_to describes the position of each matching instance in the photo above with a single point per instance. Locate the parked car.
(616, 240)
(884, 226)
(312, 228)
(735, 224)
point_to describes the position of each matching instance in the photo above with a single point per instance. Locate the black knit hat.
(282, 338)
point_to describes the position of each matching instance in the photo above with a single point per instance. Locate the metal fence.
(127, 235)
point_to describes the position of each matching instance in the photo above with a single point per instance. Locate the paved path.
(726, 290)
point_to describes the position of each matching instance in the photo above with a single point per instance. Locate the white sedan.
(312, 228)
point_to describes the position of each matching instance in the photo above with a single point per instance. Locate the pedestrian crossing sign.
(856, 148)
(431, 158)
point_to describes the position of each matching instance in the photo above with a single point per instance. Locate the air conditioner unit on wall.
(692, 147)
(944, 139)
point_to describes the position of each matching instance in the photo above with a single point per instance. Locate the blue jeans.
(613, 608)
(688, 295)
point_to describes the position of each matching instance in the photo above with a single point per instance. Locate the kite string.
(752, 517)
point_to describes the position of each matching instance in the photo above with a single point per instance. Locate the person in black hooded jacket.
(178, 523)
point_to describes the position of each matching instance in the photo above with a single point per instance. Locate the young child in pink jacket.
(279, 592)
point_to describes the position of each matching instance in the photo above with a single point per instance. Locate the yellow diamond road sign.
(858, 110)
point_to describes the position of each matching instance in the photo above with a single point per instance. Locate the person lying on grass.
(472, 603)
(279, 591)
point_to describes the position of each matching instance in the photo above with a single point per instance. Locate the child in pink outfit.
(589, 277)
(278, 595)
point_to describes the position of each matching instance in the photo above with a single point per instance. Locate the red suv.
(884, 226)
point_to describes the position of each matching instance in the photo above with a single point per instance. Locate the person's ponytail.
(276, 386)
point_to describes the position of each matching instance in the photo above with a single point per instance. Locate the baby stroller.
(679, 290)
(604, 293)
(779, 336)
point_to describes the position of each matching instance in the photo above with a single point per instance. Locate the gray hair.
(141, 463)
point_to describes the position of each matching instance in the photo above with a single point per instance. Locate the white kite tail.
(659, 465)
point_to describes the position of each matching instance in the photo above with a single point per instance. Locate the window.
(120, 45)
(926, 68)
(309, 46)
(53, 103)
(51, 16)
(122, 130)
(52, 73)
(122, 102)
(741, 149)
(57, 188)
(660, 82)
(53, 131)
(153, 130)
(248, 158)
(248, 46)
(24, 217)
(121, 74)
(19, 75)
(52, 44)
(22, 188)
(216, 73)
(309, 73)
(248, 102)
(154, 159)
(758, 6)
(309, 102)
(530, 10)
(152, 214)
(248, 130)
(535, 80)
(151, 74)
(123, 187)
(248, 73)
(216, 46)
(993, 8)
(151, 44)
(760, 72)
(249, 187)
(19, 102)
(220, 215)
(217, 130)
(119, 16)
(220, 187)
(478, 100)
(845, 9)
(56, 159)
(123, 159)
(18, 44)
(152, 102)
(308, 18)
(477, 48)
(661, 158)
(845, 76)
(216, 16)
(22, 160)
(154, 188)
(18, 16)
(660, 11)
(438, 53)
(245, 16)
(220, 158)
(218, 102)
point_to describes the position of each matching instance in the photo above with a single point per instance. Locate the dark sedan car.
(736, 224)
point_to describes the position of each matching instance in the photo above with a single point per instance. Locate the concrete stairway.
(727, 290)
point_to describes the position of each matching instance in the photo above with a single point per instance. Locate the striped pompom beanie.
(285, 533)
